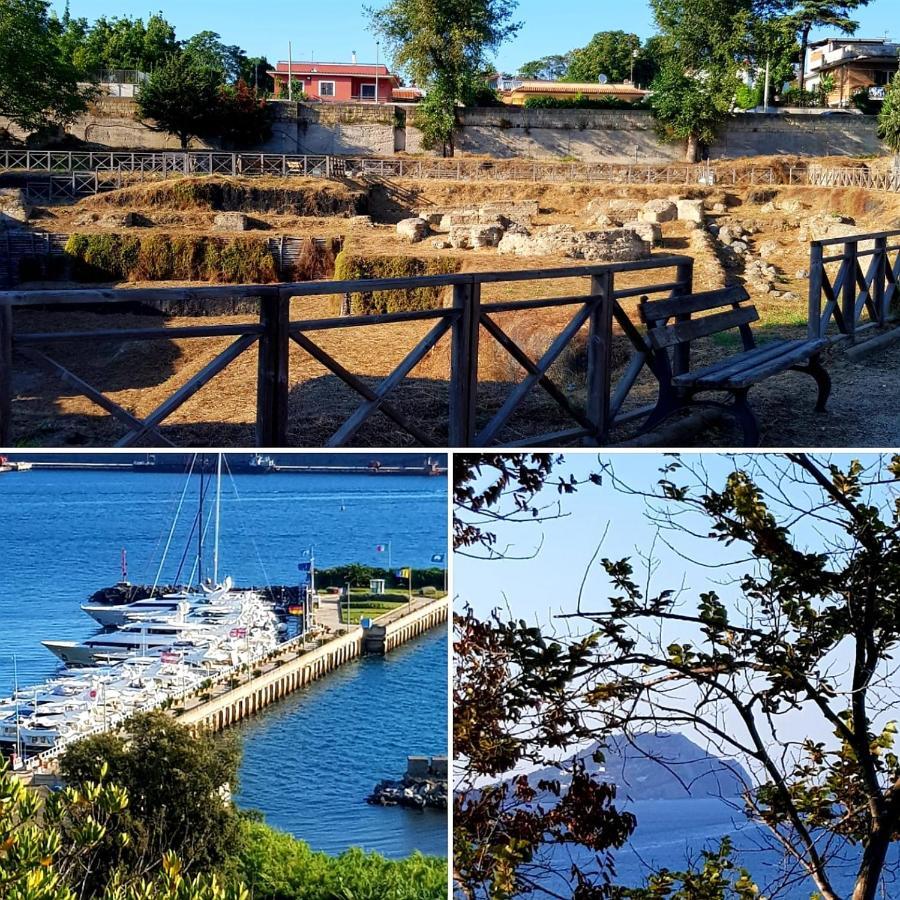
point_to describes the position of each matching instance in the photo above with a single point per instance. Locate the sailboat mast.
(218, 507)
(200, 523)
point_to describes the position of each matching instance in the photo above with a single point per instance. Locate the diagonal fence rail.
(853, 284)
(465, 323)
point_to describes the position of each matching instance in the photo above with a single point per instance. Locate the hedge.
(352, 267)
(163, 257)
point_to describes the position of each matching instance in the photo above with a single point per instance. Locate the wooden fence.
(853, 290)
(824, 176)
(465, 323)
(198, 162)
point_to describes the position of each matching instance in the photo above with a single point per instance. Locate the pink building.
(336, 82)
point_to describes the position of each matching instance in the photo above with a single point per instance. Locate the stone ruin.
(14, 209)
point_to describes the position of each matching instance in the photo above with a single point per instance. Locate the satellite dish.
(603, 79)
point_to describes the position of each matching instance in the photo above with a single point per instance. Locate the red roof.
(317, 68)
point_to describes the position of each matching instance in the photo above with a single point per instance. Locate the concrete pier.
(232, 698)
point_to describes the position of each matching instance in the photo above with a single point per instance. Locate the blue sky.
(332, 30)
(557, 553)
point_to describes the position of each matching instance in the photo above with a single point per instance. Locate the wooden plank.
(354, 422)
(186, 391)
(657, 310)
(527, 363)
(551, 439)
(771, 367)
(685, 332)
(359, 386)
(815, 328)
(132, 334)
(78, 384)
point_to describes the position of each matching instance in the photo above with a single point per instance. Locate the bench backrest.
(655, 314)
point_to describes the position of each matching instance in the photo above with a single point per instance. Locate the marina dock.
(236, 693)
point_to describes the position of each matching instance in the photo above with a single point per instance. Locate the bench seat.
(751, 366)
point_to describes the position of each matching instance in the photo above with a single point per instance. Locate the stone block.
(647, 231)
(658, 211)
(230, 221)
(418, 766)
(414, 230)
(13, 207)
(690, 211)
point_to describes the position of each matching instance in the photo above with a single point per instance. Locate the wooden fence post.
(272, 379)
(848, 288)
(464, 364)
(6, 334)
(879, 281)
(815, 328)
(599, 361)
(681, 355)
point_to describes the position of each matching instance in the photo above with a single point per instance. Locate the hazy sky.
(332, 30)
(539, 587)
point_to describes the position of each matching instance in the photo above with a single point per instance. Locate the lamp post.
(377, 64)
(634, 56)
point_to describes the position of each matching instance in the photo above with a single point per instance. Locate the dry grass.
(140, 376)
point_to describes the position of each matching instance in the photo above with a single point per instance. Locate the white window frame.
(372, 85)
(333, 86)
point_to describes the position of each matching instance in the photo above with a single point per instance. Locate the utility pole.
(766, 91)
(290, 72)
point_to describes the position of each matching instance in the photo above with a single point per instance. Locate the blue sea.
(673, 834)
(310, 760)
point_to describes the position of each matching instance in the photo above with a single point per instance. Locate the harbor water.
(310, 760)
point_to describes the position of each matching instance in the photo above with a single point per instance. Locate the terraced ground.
(140, 376)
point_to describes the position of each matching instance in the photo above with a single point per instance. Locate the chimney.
(353, 55)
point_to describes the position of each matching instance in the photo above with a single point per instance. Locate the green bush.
(375, 600)
(349, 266)
(339, 576)
(582, 101)
(162, 257)
(276, 866)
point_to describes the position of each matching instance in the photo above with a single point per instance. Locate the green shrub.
(349, 266)
(582, 101)
(276, 866)
(375, 600)
(161, 257)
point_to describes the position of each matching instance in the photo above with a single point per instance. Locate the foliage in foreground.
(276, 866)
(48, 848)
(889, 118)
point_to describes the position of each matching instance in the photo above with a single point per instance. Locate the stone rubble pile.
(14, 209)
(415, 793)
(613, 245)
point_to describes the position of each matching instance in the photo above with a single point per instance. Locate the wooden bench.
(726, 310)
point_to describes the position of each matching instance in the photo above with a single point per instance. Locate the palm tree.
(808, 14)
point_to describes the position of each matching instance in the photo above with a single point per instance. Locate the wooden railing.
(824, 176)
(204, 162)
(465, 323)
(853, 283)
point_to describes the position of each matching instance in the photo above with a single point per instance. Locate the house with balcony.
(851, 65)
(326, 82)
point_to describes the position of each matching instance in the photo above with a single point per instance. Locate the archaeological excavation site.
(509, 304)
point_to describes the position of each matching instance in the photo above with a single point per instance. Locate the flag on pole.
(169, 657)
(304, 566)
(403, 573)
(238, 632)
(295, 610)
(380, 548)
(438, 557)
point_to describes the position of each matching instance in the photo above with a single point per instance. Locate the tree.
(704, 42)
(230, 60)
(610, 53)
(175, 783)
(889, 118)
(49, 847)
(690, 108)
(37, 85)
(804, 644)
(443, 45)
(120, 42)
(547, 68)
(244, 119)
(805, 15)
(516, 697)
(182, 97)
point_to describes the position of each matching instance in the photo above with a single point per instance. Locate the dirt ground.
(140, 376)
